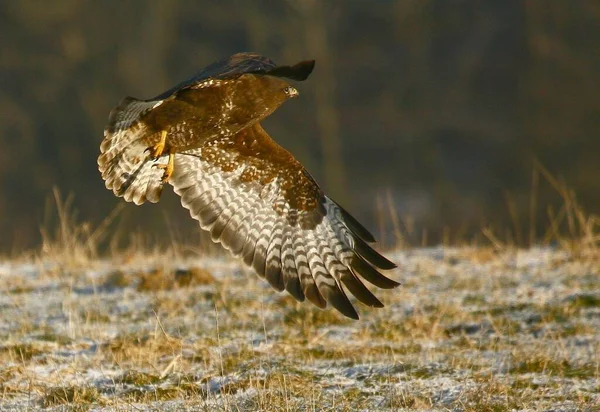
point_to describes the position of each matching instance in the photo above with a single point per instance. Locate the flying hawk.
(204, 138)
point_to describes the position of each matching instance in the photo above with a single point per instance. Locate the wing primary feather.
(354, 225)
(326, 283)
(371, 255)
(359, 290)
(324, 278)
(299, 71)
(333, 250)
(371, 274)
(338, 299)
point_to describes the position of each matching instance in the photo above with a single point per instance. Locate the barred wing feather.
(124, 164)
(309, 247)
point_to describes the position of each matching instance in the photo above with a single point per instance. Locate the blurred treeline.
(435, 108)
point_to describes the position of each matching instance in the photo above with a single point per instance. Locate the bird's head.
(290, 91)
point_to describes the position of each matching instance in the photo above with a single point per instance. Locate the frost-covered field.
(469, 329)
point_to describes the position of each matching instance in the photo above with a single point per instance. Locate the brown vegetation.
(445, 106)
(490, 328)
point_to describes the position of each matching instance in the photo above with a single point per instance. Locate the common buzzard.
(204, 138)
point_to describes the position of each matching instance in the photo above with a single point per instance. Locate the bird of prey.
(204, 138)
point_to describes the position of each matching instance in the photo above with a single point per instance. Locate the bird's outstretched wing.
(239, 64)
(259, 202)
(124, 163)
(222, 98)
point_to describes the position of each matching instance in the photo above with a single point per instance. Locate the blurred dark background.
(434, 109)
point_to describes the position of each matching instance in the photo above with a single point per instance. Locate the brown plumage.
(220, 100)
(250, 193)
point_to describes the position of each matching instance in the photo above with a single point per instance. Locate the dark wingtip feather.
(303, 69)
(342, 304)
(347, 310)
(370, 274)
(359, 290)
(311, 292)
(292, 285)
(299, 71)
(335, 296)
(372, 256)
(355, 226)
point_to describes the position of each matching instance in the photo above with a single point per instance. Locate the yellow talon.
(157, 150)
(168, 168)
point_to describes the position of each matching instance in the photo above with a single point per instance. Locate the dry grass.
(491, 328)
(506, 330)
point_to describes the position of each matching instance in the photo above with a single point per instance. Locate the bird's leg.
(168, 168)
(156, 151)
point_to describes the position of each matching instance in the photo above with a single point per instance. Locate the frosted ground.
(469, 329)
